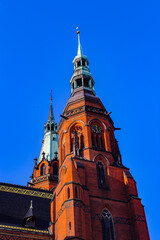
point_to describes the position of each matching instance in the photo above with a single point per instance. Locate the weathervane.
(78, 32)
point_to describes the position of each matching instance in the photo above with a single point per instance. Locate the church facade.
(79, 188)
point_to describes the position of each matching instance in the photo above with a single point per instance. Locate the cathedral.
(79, 188)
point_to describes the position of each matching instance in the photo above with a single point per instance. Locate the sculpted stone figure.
(75, 144)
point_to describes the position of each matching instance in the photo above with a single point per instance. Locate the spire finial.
(51, 95)
(80, 52)
(31, 206)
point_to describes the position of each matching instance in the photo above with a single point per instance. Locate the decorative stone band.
(41, 178)
(23, 229)
(85, 109)
(45, 178)
(97, 216)
(25, 192)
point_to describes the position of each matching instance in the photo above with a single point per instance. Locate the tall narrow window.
(69, 225)
(112, 141)
(97, 142)
(101, 176)
(102, 141)
(76, 194)
(43, 169)
(63, 149)
(68, 193)
(52, 127)
(107, 225)
(93, 140)
(82, 141)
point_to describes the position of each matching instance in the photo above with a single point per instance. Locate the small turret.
(82, 78)
(29, 219)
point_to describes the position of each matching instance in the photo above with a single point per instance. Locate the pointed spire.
(50, 117)
(80, 51)
(50, 141)
(29, 219)
(82, 77)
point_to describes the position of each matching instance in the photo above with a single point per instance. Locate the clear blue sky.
(38, 42)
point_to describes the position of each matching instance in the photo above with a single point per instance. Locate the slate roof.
(15, 201)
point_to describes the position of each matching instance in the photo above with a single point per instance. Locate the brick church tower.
(96, 196)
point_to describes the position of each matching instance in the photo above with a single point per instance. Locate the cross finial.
(51, 95)
(78, 32)
(35, 161)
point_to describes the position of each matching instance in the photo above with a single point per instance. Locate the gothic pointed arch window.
(43, 169)
(97, 134)
(55, 169)
(101, 175)
(107, 225)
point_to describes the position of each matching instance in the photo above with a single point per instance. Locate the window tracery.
(107, 225)
(97, 136)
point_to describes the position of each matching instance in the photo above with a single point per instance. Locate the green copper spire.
(50, 141)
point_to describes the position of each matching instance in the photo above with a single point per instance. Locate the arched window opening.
(78, 63)
(101, 176)
(55, 169)
(79, 82)
(76, 193)
(86, 82)
(48, 127)
(107, 226)
(52, 127)
(73, 85)
(68, 193)
(43, 169)
(83, 62)
(82, 141)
